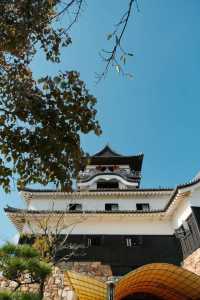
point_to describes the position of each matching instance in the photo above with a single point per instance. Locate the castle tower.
(108, 170)
(120, 223)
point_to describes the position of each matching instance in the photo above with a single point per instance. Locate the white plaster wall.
(181, 213)
(156, 202)
(126, 225)
(183, 210)
(195, 198)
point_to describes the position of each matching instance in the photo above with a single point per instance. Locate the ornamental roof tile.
(157, 189)
(107, 152)
(10, 209)
(109, 157)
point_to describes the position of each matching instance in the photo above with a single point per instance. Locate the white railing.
(93, 172)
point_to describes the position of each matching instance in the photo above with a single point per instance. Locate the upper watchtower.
(108, 170)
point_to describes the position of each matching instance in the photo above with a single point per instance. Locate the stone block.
(192, 262)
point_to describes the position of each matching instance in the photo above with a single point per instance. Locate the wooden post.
(110, 290)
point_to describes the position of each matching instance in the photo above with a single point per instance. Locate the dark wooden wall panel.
(189, 233)
(113, 251)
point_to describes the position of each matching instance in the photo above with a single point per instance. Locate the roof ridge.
(98, 191)
(188, 183)
(108, 149)
(11, 209)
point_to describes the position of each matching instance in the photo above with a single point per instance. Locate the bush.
(17, 261)
(5, 296)
(19, 296)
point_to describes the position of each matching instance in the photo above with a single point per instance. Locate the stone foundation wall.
(192, 262)
(93, 269)
(57, 286)
(11, 285)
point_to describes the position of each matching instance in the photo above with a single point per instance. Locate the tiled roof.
(10, 209)
(156, 189)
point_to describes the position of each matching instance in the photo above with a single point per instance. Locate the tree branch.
(77, 13)
(111, 58)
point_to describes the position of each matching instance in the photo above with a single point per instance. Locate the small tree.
(49, 236)
(20, 262)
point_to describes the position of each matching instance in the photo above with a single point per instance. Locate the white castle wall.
(195, 198)
(110, 225)
(156, 202)
(124, 225)
(184, 209)
(121, 224)
(181, 213)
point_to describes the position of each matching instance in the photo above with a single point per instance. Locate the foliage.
(40, 126)
(19, 296)
(19, 261)
(23, 23)
(5, 295)
(43, 246)
(40, 120)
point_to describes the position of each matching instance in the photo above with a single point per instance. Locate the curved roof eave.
(13, 210)
(112, 173)
(107, 151)
(181, 187)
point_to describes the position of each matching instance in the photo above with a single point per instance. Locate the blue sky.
(156, 112)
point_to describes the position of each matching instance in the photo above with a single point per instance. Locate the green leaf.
(129, 75)
(57, 79)
(109, 36)
(45, 86)
(123, 59)
(118, 68)
(18, 260)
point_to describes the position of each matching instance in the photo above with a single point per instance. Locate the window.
(111, 206)
(103, 169)
(133, 241)
(143, 206)
(106, 169)
(89, 242)
(75, 206)
(180, 233)
(128, 242)
(188, 234)
(107, 185)
(186, 227)
(94, 241)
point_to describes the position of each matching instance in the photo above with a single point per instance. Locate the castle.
(121, 224)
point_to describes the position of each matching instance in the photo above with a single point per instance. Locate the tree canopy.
(41, 120)
(17, 261)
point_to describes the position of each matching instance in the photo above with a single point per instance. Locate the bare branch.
(52, 233)
(73, 3)
(77, 13)
(64, 9)
(112, 58)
